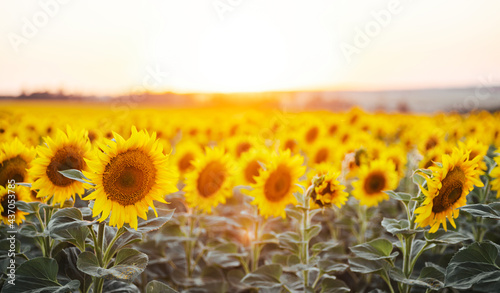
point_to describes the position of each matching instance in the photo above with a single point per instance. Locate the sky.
(118, 47)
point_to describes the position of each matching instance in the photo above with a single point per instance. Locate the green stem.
(99, 244)
(108, 254)
(255, 246)
(387, 280)
(98, 284)
(306, 223)
(362, 209)
(414, 261)
(189, 243)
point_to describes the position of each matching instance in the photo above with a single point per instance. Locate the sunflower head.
(375, 178)
(67, 151)
(210, 181)
(128, 175)
(274, 187)
(250, 165)
(447, 189)
(15, 159)
(6, 196)
(328, 191)
(186, 152)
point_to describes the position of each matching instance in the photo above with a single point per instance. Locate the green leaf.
(158, 287)
(474, 266)
(332, 285)
(29, 207)
(66, 219)
(433, 277)
(418, 178)
(365, 266)
(155, 223)
(397, 275)
(491, 211)
(324, 246)
(330, 267)
(129, 263)
(39, 275)
(312, 232)
(374, 250)
(294, 212)
(75, 174)
(290, 240)
(401, 196)
(264, 277)
(395, 227)
(225, 255)
(444, 237)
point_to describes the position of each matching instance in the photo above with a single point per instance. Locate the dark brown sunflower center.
(450, 191)
(129, 177)
(68, 157)
(312, 134)
(242, 147)
(290, 145)
(14, 168)
(431, 143)
(251, 170)
(5, 204)
(321, 156)
(375, 182)
(333, 129)
(211, 179)
(278, 184)
(186, 162)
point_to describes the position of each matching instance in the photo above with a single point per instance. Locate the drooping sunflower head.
(128, 175)
(15, 159)
(210, 182)
(328, 190)
(67, 151)
(275, 185)
(9, 211)
(447, 189)
(375, 178)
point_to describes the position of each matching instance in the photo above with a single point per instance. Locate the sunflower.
(68, 151)
(495, 175)
(250, 165)
(476, 148)
(398, 156)
(15, 159)
(185, 154)
(18, 216)
(210, 182)
(274, 187)
(328, 191)
(447, 189)
(375, 178)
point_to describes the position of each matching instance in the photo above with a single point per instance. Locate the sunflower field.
(114, 199)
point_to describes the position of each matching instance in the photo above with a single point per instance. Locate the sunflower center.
(278, 184)
(251, 170)
(68, 157)
(431, 143)
(211, 179)
(290, 145)
(321, 156)
(241, 148)
(375, 182)
(312, 134)
(450, 192)
(14, 168)
(186, 162)
(129, 177)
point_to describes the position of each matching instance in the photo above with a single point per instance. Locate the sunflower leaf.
(491, 211)
(374, 250)
(401, 196)
(75, 174)
(129, 263)
(395, 226)
(365, 266)
(264, 277)
(155, 223)
(331, 285)
(158, 287)
(445, 237)
(39, 275)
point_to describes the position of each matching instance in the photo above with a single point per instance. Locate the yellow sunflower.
(476, 148)
(7, 202)
(68, 151)
(447, 189)
(329, 191)
(15, 159)
(128, 176)
(251, 164)
(210, 182)
(495, 175)
(375, 178)
(275, 185)
(186, 152)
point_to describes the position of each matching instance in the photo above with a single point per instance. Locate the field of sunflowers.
(97, 198)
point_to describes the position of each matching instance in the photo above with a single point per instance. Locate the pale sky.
(115, 47)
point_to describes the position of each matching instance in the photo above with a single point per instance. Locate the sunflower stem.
(98, 284)
(362, 209)
(306, 223)
(98, 245)
(108, 254)
(189, 243)
(255, 248)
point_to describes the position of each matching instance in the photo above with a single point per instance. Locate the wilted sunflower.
(275, 185)
(447, 189)
(68, 151)
(19, 216)
(329, 191)
(210, 182)
(128, 176)
(375, 178)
